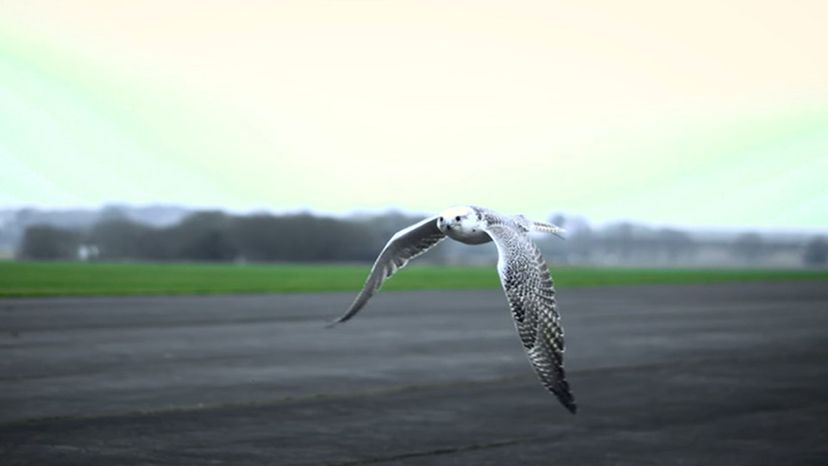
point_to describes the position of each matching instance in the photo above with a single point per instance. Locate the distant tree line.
(626, 243)
(218, 236)
(49, 242)
(816, 252)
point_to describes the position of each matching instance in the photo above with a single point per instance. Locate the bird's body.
(523, 275)
(464, 224)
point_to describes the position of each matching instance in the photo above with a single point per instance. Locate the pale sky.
(709, 113)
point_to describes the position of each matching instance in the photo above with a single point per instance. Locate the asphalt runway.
(726, 374)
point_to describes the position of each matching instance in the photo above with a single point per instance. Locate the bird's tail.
(549, 228)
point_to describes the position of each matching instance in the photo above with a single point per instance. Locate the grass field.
(67, 278)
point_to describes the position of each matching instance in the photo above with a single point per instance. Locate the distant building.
(88, 252)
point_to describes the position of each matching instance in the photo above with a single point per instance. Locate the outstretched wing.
(528, 287)
(405, 245)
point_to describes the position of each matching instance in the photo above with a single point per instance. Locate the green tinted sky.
(704, 114)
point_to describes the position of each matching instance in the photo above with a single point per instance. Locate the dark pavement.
(666, 375)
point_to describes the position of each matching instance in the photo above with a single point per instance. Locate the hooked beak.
(442, 224)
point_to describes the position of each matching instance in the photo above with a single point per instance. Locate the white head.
(461, 220)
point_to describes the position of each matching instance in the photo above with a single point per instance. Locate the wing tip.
(355, 307)
(337, 321)
(566, 398)
(568, 402)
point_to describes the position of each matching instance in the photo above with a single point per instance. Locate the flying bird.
(523, 275)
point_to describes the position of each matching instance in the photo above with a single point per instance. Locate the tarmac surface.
(724, 374)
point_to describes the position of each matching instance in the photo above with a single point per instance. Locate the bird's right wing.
(405, 245)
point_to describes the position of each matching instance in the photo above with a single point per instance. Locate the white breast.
(469, 235)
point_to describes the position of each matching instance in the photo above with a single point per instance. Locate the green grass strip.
(106, 279)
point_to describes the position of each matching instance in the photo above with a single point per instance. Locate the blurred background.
(253, 157)
(657, 134)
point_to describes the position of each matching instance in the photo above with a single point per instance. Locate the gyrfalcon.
(523, 275)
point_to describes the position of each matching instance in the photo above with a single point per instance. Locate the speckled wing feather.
(405, 245)
(528, 287)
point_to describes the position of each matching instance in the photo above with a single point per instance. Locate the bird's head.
(461, 219)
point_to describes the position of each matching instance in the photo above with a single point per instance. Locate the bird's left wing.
(528, 287)
(405, 245)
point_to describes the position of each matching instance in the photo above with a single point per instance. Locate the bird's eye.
(440, 219)
(457, 218)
